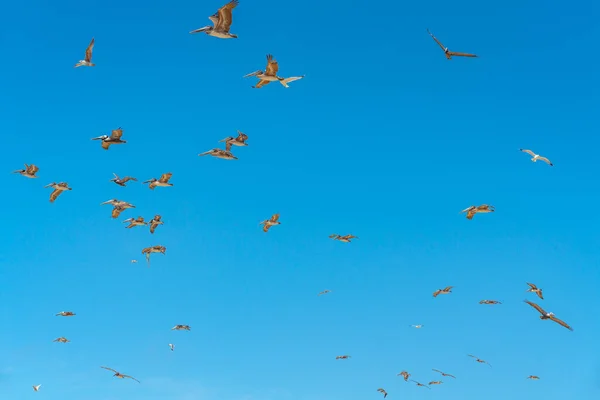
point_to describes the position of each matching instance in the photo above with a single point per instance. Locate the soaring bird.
(382, 391)
(154, 249)
(489, 302)
(446, 290)
(345, 239)
(270, 74)
(443, 373)
(533, 377)
(120, 375)
(405, 375)
(221, 20)
(171, 346)
(61, 340)
(344, 357)
(154, 222)
(139, 221)
(270, 222)
(447, 52)
(536, 290)
(58, 189)
(28, 172)
(537, 157)
(472, 210)
(417, 326)
(133, 261)
(123, 181)
(435, 383)
(240, 140)
(36, 387)
(479, 360)
(118, 203)
(420, 384)
(114, 138)
(324, 292)
(219, 153)
(163, 181)
(181, 328)
(87, 62)
(548, 315)
(66, 314)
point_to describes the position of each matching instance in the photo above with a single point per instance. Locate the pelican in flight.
(221, 20)
(420, 384)
(270, 75)
(472, 210)
(324, 292)
(114, 138)
(479, 360)
(58, 189)
(447, 52)
(382, 391)
(154, 249)
(446, 290)
(181, 328)
(139, 221)
(163, 181)
(536, 290)
(220, 153)
(28, 172)
(61, 340)
(548, 315)
(120, 375)
(345, 239)
(443, 373)
(344, 357)
(491, 302)
(66, 314)
(154, 222)
(270, 222)
(87, 62)
(435, 383)
(118, 203)
(417, 326)
(533, 377)
(240, 140)
(171, 346)
(537, 157)
(405, 375)
(123, 181)
(36, 387)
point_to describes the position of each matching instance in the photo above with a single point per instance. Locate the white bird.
(537, 157)
(36, 388)
(172, 346)
(133, 261)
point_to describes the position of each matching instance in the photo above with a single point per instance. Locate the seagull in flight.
(537, 157)
(171, 346)
(447, 52)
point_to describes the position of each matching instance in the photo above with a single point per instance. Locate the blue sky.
(384, 139)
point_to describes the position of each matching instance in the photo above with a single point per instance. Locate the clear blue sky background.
(384, 139)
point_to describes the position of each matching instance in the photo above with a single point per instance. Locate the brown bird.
(58, 189)
(270, 222)
(28, 172)
(114, 138)
(345, 239)
(420, 384)
(443, 373)
(324, 292)
(117, 210)
(435, 383)
(447, 52)
(120, 375)
(535, 290)
(479, 360)
(122, 182)
(66, 314)
(270, 75)
(87, 62)
(154, 249)
(489, 302)
(240, 140)
(221, 20)
(533, 377)
(446, 290)
(472, 210)
(181, 328)
(61, 340)
(382, 391)
(163, 181)
(345, 357)
(154, 222)
(405, 375)
(139, 221)
(548, 315)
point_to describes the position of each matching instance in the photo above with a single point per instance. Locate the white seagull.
(537, 157)
(171, 346)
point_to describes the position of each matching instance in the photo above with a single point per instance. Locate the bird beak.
(204, 154)
(106, 202)
(97, 138)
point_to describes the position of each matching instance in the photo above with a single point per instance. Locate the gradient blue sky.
(384, 139)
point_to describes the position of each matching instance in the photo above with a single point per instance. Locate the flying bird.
(134, 261)
(472, 210)
(118, 203)
(154, 249)
(479, 360)
(58, 189)
(219, 153)
(435, 383)
(324, 292)
(221, 20)
(163, 181)
(417, 326)
(270, 75)
(36, 387)
(270, 222)
(122, 182)
(345, 239)
(344, 357)
(533, 288)
(154, 222)
(114, 138)
(66, 314)
(447, 52)
(443, 373)
(240, 140)
(28, 172)
(61, 340)
(120, 375)
(171, 346)
(446, 290)
(548, 315)
(382, 391)
(87, 62)
(489, 302)
(139, 221)
(420, 384)
(405, 375)
(537, 157)
(533, 377)
(181, 328)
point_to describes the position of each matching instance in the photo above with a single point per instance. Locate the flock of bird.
(222, 21)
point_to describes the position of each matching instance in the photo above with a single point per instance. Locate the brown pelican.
(443, 373)
(155, 222)
(171, 346)
(28, 172)
(533, 377)
(446, 290)
(382, 391)
(66, 314)
(154, 249)
(479, 360)
(270, 75)
(472, 210)
(489, 302)
(324, 292)
(270, 222)
(87, 62)
(221, 22)
(114, 138)
(120, 375)
(58, 189)
(435, 383)
(240, 140)
(36, 387)
(61, 340)
(535, 290)
(139, 221)
(163, 181)
(548, 315)
(345, 239)
(537, 157)
(344, 357)
(118, 203)
(405, 375)
(447, 52)
(219, 153)
(181, 328)
(420, 384)
(122, 182)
